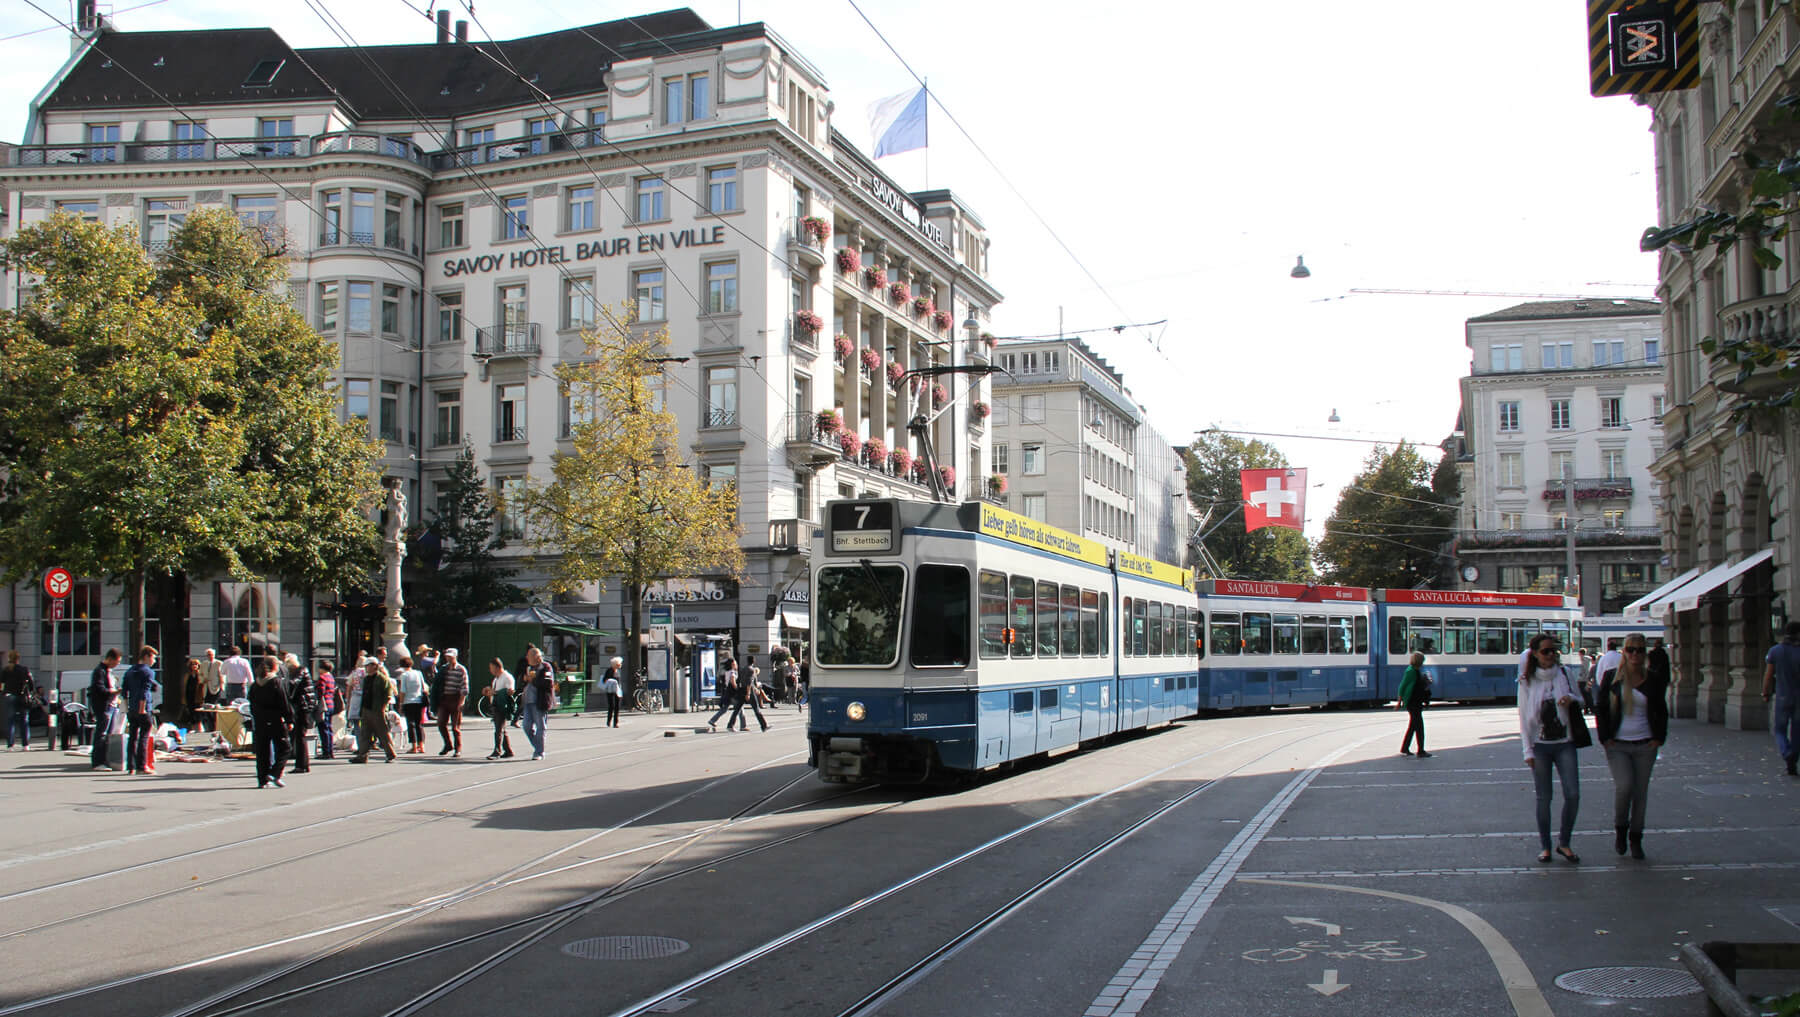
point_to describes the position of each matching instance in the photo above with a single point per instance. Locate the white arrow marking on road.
(1330, 929)
(1330, 986)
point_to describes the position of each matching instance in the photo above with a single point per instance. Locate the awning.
(795, 618)
(1636, 607)
(1687, 596)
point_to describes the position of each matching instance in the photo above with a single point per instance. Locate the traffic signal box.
(1636, 46)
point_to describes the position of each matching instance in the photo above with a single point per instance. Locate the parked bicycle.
(643, 697)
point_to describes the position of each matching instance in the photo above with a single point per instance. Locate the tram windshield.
(857, 615)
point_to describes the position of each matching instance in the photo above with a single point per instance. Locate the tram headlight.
(856, 711)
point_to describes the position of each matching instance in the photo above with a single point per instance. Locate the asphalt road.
(1288, 863)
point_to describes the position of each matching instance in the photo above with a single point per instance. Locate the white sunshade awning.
(1636, 607)
(1687, 596)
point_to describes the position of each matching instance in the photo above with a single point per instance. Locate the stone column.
(1745, 709)
(1685, 660)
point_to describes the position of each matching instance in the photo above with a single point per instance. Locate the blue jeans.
(534, 728)
(103, 722)
(1787, 726)
(1560, 755)
(325, 745)
(20, 721)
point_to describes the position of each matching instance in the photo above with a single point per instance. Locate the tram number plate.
(862, 527)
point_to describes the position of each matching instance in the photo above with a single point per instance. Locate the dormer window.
(263, 74)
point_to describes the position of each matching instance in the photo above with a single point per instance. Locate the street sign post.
(58, 583)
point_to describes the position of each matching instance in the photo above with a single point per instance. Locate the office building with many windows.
(1562, 408)
(455, 213)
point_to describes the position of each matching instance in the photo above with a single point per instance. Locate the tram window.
(1223, 635)
(1339, 634)
(1024, 616)
(1140, 635)
(1171, 631)
(1362, 636)
(1459, 636)
(1186, 635)
(1125, 626)
(1397, 637)
(1153, 628)
(993, 614)
(859, 608)
(1287, 633)
(1522, 631)
(1559, 629)
(1090, 623)
(1022, 702)
(1490, 636)
(1259, 635)
(1046, 611)
(1105, 624)
(1071, 621)
(1428, 635)
(1312, 633)
(1047, 698)
(940, 623)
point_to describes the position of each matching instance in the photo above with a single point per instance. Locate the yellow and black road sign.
(1638, 46)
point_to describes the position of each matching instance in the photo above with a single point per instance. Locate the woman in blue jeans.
(1549, 707)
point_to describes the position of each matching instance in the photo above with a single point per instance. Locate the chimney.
(87, 15)
(462, 31)
(443, 26)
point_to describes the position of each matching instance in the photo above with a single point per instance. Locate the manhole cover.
(624, 947)
(108, 808)
(1629, 983)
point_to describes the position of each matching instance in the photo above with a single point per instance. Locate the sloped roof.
(436, 79)
(1593, 307)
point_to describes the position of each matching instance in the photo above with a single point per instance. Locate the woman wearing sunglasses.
(1632, 717)
(1548, 709)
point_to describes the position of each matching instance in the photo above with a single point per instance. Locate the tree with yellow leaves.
(625, 505)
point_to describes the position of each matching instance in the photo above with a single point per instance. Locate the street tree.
(165, 417)
(1390, 523)
(455, 571)
(625, 505)
(1273, 553)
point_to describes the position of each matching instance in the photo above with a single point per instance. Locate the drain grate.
(624, 947)
(1629, 983)
(107, 808)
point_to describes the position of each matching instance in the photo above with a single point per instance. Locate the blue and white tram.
(957, 638)
(1284, 644)
(1471, 639)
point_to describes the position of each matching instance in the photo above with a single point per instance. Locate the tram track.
(920, 969)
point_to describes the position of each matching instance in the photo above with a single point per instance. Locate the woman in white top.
(412, 703)
(1631, 719)
(1548, 708)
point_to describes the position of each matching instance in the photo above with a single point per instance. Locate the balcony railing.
(514, 148)
(1591, 488)
(218, 150)
(507, 341)
(329, 237)
(714, 416)
(505, 433)
(442, 439)
(1601, 536)
(801, 341)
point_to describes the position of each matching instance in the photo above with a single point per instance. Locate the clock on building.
(1470, 573)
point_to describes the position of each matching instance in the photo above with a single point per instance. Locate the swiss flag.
(1274, 498)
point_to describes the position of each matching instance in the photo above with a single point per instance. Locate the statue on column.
(393, 630)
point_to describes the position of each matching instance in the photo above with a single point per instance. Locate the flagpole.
(927, 85)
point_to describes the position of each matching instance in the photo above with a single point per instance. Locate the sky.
(1141, 162)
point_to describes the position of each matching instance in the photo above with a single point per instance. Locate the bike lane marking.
(1137, 979)
(1521, 988)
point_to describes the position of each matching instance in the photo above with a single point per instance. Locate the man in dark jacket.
(137, 685)
(272, 716)
(103, 699)
(453, 691)
(15, 680)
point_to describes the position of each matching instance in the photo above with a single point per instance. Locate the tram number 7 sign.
(58, 583)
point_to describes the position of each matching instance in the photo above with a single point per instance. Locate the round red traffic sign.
(58, 582)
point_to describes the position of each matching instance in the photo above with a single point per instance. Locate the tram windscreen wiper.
(888, 603)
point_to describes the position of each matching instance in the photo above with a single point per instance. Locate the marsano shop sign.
(587, 250)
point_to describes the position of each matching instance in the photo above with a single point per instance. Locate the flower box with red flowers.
(981, 410)
(815, 229)
(941, 319)
(809, 321)
(997, 484)
(948, 473)
(850, 443)
(939, 395)
(923, 306)
(901, 460)
(895, 372)
(848, 260)
(898, 292)
(842, 347)
(828, 423)
(875, 452)
(871, 360)
(874, 278)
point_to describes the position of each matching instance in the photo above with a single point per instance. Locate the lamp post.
(1571, 588)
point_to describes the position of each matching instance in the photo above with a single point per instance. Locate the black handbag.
(1550, 725)
(1578, 731)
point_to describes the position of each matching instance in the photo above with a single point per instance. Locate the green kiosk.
(565, 642)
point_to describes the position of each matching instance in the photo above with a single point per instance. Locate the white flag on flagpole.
(898, 123)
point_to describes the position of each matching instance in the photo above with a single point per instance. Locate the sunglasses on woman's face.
(1634, 649)
(1551, 650)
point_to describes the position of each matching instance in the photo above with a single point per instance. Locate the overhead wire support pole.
(920, 424)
